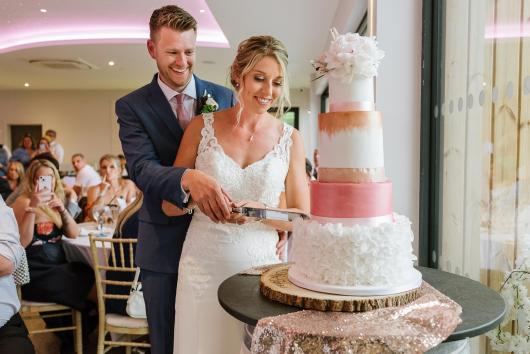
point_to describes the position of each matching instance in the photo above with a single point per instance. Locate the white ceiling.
(302, 25)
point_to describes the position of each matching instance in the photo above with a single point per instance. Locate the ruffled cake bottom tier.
(358, 260)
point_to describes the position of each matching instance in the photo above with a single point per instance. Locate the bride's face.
(262, 85)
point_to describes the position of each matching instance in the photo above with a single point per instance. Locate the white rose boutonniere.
(208, 104)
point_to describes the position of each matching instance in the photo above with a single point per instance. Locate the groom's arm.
(143, 163)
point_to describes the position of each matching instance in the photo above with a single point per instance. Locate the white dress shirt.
(87, 177)
(11, 249)
(190, 101)
(58, 151)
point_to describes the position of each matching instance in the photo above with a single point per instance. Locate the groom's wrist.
(184, 185)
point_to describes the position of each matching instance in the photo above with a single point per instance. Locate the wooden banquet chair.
(30, 310)
(115, 254)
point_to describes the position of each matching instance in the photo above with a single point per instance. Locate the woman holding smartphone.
(43, 220)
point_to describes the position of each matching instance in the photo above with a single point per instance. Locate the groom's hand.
(211, 199)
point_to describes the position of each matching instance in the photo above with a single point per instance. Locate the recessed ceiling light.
(111, 63)
(202, 11)
(26, 84)
(43, 11)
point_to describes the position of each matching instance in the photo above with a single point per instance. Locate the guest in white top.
(86, 175)
(13, 332)
(56, 148)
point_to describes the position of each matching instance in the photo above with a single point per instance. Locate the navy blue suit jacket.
(150, 136)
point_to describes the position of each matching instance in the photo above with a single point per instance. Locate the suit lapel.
(200, 87)
(161, 107)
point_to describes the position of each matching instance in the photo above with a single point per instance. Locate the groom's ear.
(151, 48)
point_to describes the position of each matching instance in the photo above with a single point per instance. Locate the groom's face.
(174, 53)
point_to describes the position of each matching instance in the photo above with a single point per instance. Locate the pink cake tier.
(351, 200)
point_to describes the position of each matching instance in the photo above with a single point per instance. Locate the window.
(476, 138)
(290, 117)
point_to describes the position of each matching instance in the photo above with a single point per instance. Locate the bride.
(259, 161)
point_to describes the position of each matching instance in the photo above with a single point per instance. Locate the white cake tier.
(351, 140)
(355, 256)
(356, 95)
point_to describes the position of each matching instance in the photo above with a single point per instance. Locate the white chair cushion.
(125, 321)
(35, 304)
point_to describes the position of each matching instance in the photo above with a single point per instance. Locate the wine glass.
(98, 213)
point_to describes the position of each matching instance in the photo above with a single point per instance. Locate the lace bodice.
(225, 249)
(263, 180)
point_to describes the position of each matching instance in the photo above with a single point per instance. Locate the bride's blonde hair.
(249, 53)
(29, 187)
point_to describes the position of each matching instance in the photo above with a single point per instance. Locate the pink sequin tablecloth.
(413, 328)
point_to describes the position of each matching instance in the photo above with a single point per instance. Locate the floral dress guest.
(25, 151)
(113, 189)
(43, 220)
(15, 174)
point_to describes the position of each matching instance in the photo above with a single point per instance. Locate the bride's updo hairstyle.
(249, 53)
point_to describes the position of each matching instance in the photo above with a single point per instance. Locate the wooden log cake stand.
(275, 285)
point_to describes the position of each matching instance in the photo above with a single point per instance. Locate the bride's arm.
(186, 156)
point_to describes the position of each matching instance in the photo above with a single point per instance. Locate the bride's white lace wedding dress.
(213, 252)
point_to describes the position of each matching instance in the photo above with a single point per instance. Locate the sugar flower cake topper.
(349, 55)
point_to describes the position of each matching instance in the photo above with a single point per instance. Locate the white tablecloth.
(78, 249)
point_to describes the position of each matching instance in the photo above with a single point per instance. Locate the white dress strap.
(208, 139)
(284, 145)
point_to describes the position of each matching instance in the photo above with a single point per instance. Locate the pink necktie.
(182, 115)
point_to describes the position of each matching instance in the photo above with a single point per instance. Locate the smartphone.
(44, 182)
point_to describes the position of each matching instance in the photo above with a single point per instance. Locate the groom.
(152, 120)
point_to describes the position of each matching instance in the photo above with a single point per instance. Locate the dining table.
(78, 249)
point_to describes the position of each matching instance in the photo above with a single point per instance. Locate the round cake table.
(482, 307)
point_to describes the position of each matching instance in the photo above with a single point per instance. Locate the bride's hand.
(238, 218)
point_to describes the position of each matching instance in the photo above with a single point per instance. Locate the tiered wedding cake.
(354, 244)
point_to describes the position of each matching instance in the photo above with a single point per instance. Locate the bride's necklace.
(253, 132)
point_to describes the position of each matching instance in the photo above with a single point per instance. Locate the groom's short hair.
(173, 17)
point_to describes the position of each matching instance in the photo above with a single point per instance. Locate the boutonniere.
(207, 103)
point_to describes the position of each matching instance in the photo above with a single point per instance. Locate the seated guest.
(308, 170)
(15, 175)
(13, 332)
(44, 147)
(71, 196)
(4, 158)
(5, 190)
(85, 177)
(123, 163)
(43, 220)
(25, 151)
(56, 148)
(113, 189)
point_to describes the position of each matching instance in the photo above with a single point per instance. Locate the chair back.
(112, 255)
(127, 223)
(126, 227)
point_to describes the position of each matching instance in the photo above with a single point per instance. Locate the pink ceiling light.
(27, 27)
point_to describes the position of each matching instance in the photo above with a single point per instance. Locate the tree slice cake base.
(275, 285)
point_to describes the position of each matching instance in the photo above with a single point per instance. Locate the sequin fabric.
(413, 328)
